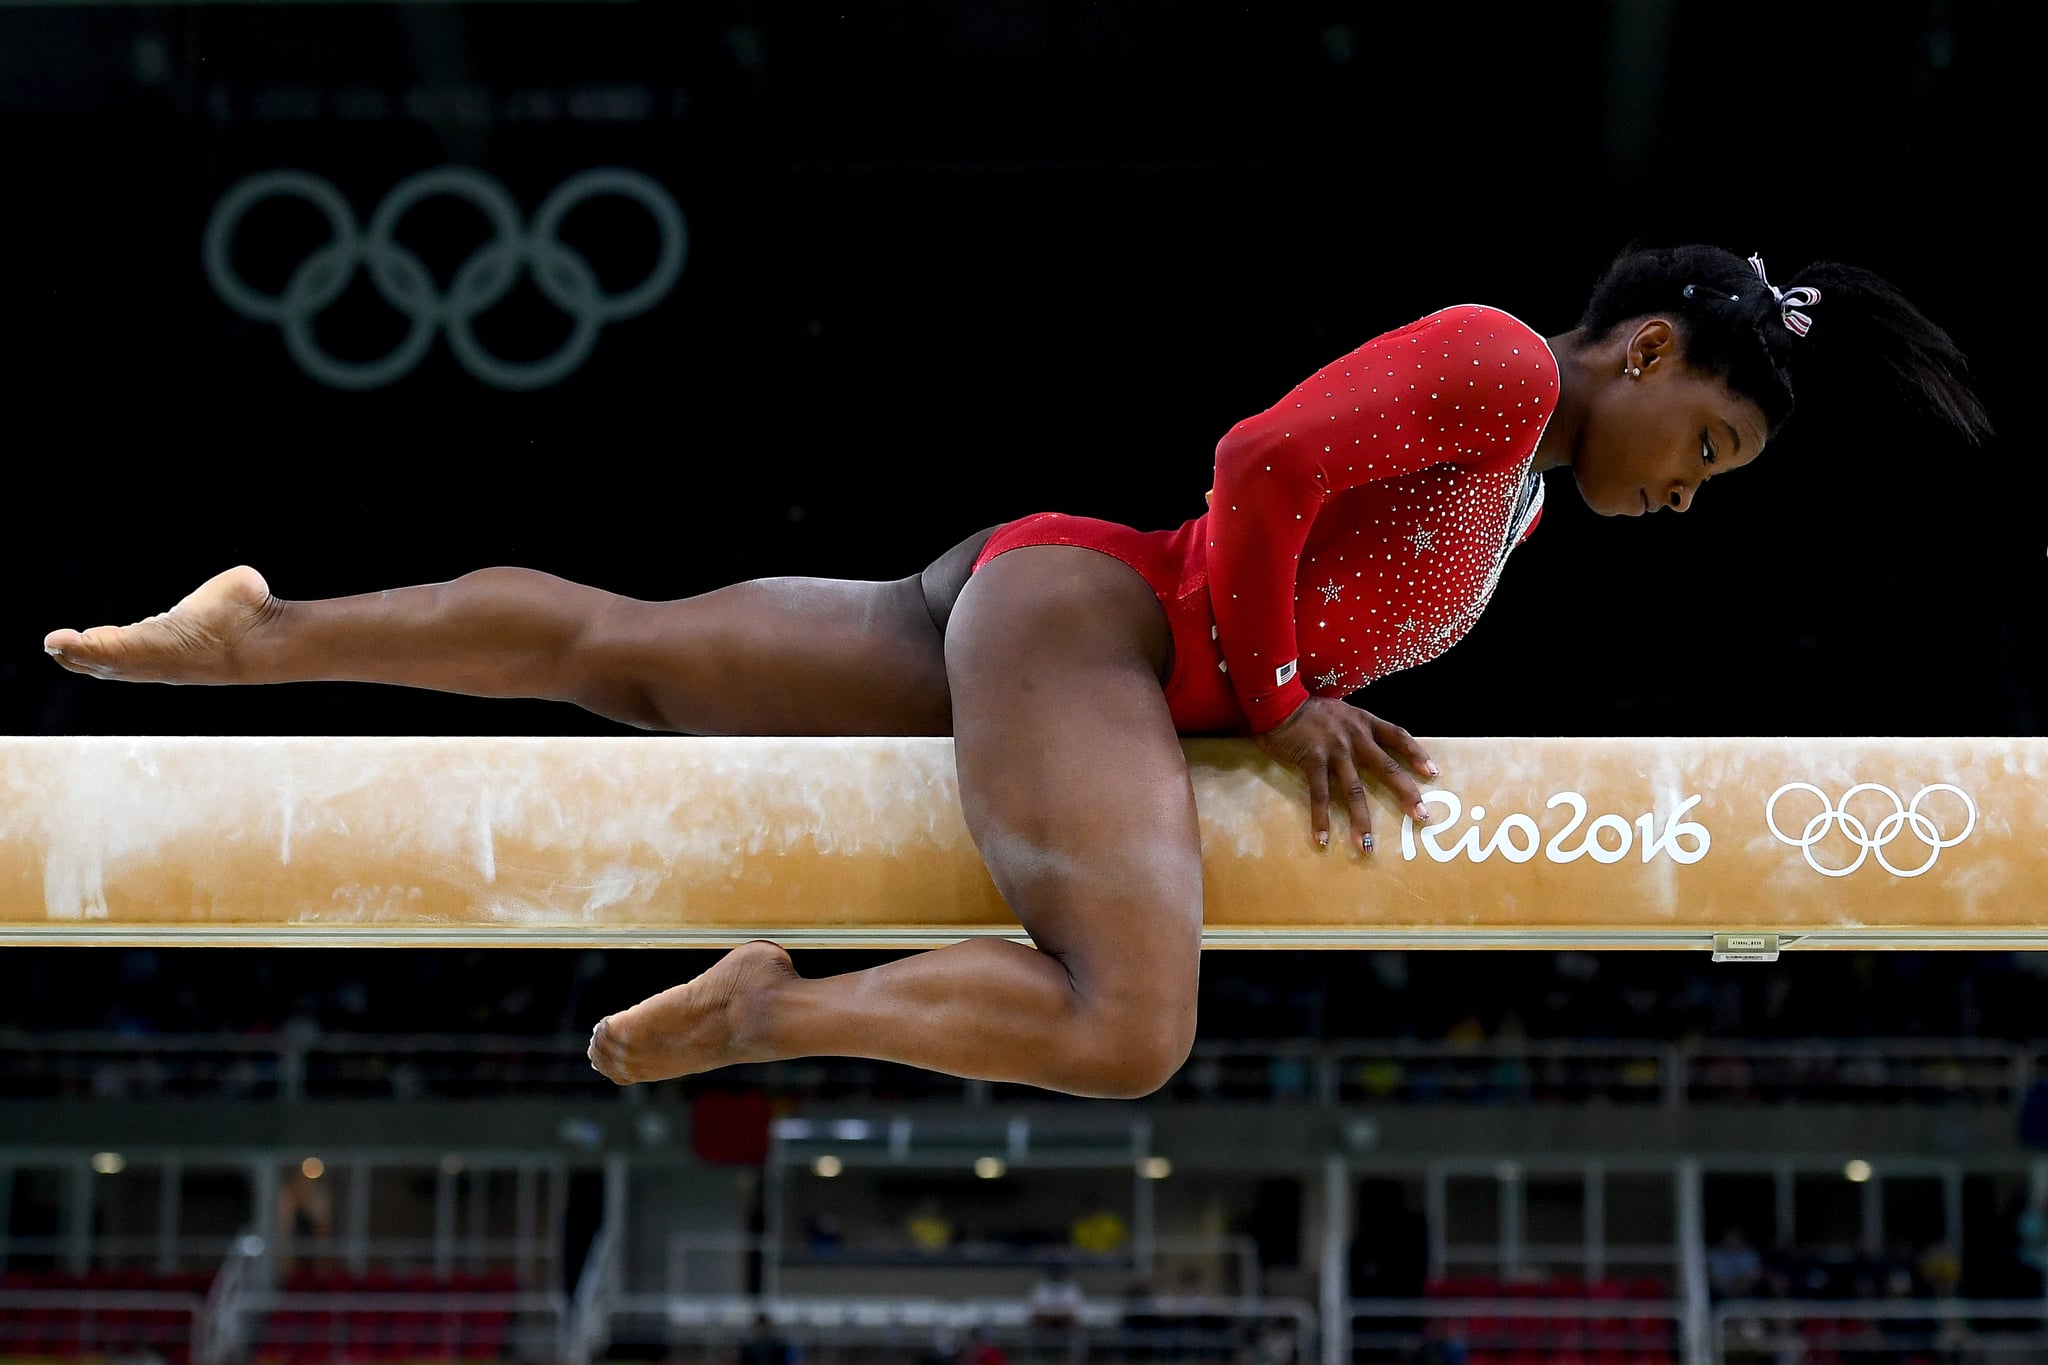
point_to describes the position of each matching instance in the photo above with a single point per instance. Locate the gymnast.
(1354, 528)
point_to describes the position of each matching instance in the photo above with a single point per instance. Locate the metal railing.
(706, 1265)
(344, 1324)
(586, 1330)
(544, 1327)
(1390, 1330)
(1857, 1332)
(857, 1327)
(111, 1251)
(291, 1067)
(96, 1322)
(215, 1338)
(1962, 1072)
(443, 1256)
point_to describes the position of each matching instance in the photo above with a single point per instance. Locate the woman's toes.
(195, 641)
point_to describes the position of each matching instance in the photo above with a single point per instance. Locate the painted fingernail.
(1419, 811)
(1322, 838)
(1366, 843)
(1434, 771)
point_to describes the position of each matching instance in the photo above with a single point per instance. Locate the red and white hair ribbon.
(1789, 300)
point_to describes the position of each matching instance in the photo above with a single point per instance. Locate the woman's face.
(1651, 440)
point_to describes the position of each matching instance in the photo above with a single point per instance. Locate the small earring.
(1635, 373)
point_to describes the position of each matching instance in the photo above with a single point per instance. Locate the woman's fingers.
(1399, 784)
(1317, 771)
(1353, 787)
(1337, 746)
(1403, 746)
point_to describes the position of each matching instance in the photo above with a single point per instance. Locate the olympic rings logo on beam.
(1871, 840)
(561, 273)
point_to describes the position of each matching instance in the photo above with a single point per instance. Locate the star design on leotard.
(1424, 539)
(1334, 678)
(1330, 590)
(1408, 625)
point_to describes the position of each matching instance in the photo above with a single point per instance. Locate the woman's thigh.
(1072, 779)
(780, 656)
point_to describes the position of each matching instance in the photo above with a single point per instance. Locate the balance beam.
(682, 841)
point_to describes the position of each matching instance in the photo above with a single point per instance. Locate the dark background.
(953, 263)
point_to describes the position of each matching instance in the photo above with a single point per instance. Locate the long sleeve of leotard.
(1469, 386)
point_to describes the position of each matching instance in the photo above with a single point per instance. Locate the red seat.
(1450, 1287)
(299, 1336)
(1486, 1331)
(51, 1330)
(495, 1325)
(1526, 1327)
(429, 1331)
(426, 1328)
(365, 1331)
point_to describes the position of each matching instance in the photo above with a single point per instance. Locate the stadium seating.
(59, 1326)
(417, 1327)
(1596, 1338)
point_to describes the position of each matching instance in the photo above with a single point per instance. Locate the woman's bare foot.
(702, 1024)
(197, 641)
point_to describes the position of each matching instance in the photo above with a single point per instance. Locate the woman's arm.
(1469, 385)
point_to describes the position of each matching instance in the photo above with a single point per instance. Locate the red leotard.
(1358, 526)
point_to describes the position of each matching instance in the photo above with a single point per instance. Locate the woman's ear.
(1655, 339)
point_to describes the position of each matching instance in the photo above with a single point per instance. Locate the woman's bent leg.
(1076, 789)
(776, 656)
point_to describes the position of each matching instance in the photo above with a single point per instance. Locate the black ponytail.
(1864, 337)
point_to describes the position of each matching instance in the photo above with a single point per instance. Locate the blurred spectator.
(928, 1227)
(822, 1235)
(1724, 1078)
(1897, 1281)
(305, 1204)
(1203, 1077)
(1289, 1077)
(1381, 1078)
(1143, 1318)
(1940, 1270)
(1055, 1299)
(1780, 1273)
(1734, 1270)
(1508, 1078)
(305, 1217)
(981, 1349)
(766, 1346)
(2030, 1235)
(1100, 1230)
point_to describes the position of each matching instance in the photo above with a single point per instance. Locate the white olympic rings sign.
(403, 280)
(1870, 840)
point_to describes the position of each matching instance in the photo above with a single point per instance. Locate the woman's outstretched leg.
(1076, 789)
(775, 656)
